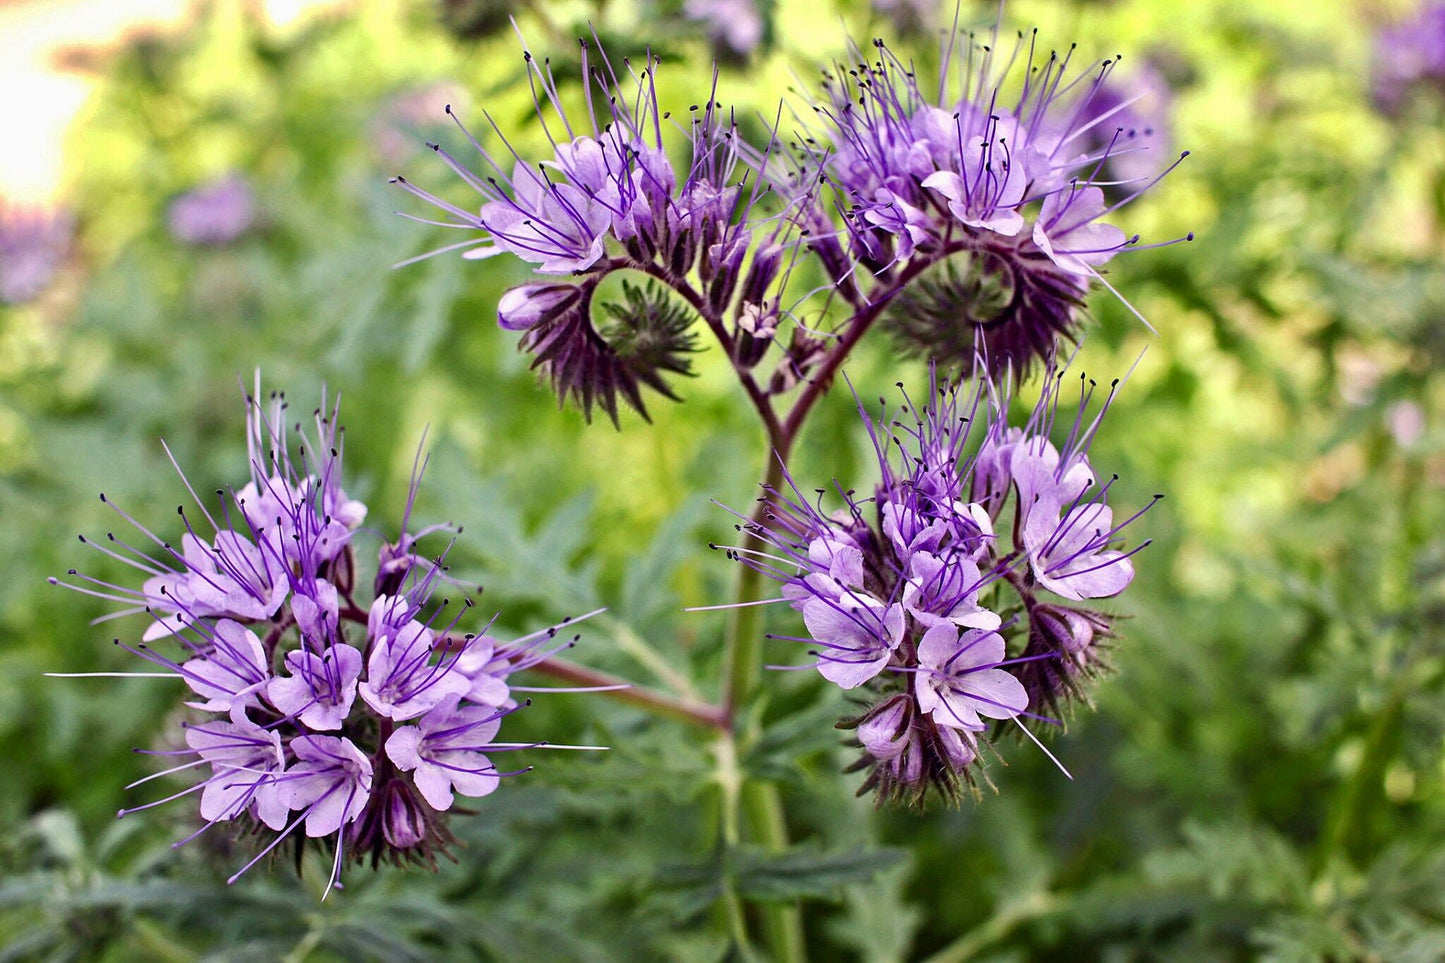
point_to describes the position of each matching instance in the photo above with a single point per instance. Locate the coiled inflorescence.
(992, 195)
(954, 596)
(975, 221)
(610, 199)
(312, 709)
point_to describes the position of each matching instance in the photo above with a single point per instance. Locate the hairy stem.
(853, 331)
(742, 640)
(698, 713)
(742, 652)
(630, 642)
(730, 780)
(1007, 918)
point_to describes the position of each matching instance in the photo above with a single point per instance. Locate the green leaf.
(803, 873)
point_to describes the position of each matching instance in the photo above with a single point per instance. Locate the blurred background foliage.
(1263, 776)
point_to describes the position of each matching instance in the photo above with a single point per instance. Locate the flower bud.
(757, 325)
(403, 820)
(884, 731)
(1064, 646)
(762, 273)
(723, 263)
(395, 563)
(803, 355)
(529, 305)
(823, 241)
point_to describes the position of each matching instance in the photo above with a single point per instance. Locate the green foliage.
(1262, 777)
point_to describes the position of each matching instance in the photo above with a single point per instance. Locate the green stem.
(784, 921)
(730, 783)
(308, 943)
(1363, 792)
(1358, 796)
(743, 641)
(157, 944)
(741, 672)
(654, 661)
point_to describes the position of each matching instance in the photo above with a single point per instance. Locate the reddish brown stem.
(689, 710)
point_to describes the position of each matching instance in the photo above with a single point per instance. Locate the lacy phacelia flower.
(992, 197)
(33, 244)
(608, 198)
(312, 709)
(1409, 56)
(950, 612)
(213, 214)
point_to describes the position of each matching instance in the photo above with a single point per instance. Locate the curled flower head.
(950, 594)
(990, 198)
(315, 711)
(605, 196)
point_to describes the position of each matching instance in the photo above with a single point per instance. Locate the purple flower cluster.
(312, 710)
(1409, 56)
(974, 222)
(609, 198)
(953, 595)
(33, 244)
(998, 188)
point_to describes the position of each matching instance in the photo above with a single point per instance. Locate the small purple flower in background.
(908, 16)
(213, 214)
(315, 709)
(734, 26)
(933, 602)
(1129, 115)
(394, 130)
(34, 242)
(1409, 56)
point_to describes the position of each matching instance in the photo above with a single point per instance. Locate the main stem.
(760, 800)
(742, 650)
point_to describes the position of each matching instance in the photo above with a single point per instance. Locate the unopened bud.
(403, 821)
(529, 305)
(884, 731)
